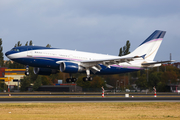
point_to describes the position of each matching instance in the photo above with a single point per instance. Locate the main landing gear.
(88, 78)
(71, 79)
(68, 80)
(85, 79)
(27, 71)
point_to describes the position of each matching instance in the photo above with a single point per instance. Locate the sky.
(99, 26)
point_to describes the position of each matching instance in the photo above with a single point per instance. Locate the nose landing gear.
(85, 79)
(27, 71)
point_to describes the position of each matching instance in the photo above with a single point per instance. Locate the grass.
(91, 111)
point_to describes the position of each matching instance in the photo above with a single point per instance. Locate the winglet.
(143, 56)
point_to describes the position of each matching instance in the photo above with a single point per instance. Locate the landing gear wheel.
(73, 80)
(68, 80)
(85, 79)
(27, 73)
(90, 78)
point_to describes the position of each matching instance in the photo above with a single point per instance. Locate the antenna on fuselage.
(170, 58)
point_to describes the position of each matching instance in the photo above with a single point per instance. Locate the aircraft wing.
(94, 64)
(108, 62)
(153, 63)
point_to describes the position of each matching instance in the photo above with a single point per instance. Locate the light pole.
(147, 74)
(123, 82)
(116, 84)
(121, 85)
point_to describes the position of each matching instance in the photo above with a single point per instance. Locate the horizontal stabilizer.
(153, 63)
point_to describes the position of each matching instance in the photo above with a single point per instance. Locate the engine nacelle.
(44, 71)
(70, 67)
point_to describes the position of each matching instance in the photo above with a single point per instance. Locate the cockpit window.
(15, 49)
(12, 49)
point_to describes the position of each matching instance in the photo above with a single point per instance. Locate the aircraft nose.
(7, 53)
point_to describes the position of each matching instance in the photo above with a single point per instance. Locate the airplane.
(48, 61)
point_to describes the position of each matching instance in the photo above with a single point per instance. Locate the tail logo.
(143, 56)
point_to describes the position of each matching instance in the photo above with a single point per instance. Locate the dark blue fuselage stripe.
(51, 63)
(155, 35)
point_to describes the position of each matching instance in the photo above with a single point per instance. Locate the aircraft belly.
(116, 70)
(38, 62)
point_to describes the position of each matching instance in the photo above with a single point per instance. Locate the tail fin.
(150, 46)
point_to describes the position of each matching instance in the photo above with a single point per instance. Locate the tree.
(18, 44)
(97, 82)
(154, 79)
(25, 83)
(120, 52)
(37, 83)
(142, 82)
(32, 76)
(1, 54)
(26, 43)
(112, 79)
(45, 80)
(48, 45)
(30, 43)
(94, 85)
(125, 49)
(83, 84)
(3, 86)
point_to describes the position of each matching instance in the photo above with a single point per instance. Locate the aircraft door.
(30, 52)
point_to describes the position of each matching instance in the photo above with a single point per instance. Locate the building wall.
(15, 74)
(2, 71)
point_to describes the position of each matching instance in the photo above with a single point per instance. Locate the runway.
(93, 97)
(122, 99)
(91, 94)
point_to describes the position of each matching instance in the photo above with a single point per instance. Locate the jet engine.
(70, 67)
(44, 71)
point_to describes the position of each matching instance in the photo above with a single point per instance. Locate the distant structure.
(2, 71)
(170, 57)
(60, 88)
(177, 65)
(16, 74)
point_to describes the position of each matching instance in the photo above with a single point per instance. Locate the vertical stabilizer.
(150, 46)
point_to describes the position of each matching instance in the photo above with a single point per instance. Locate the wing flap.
(108, 62)
(105, 62)
(153, 63)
